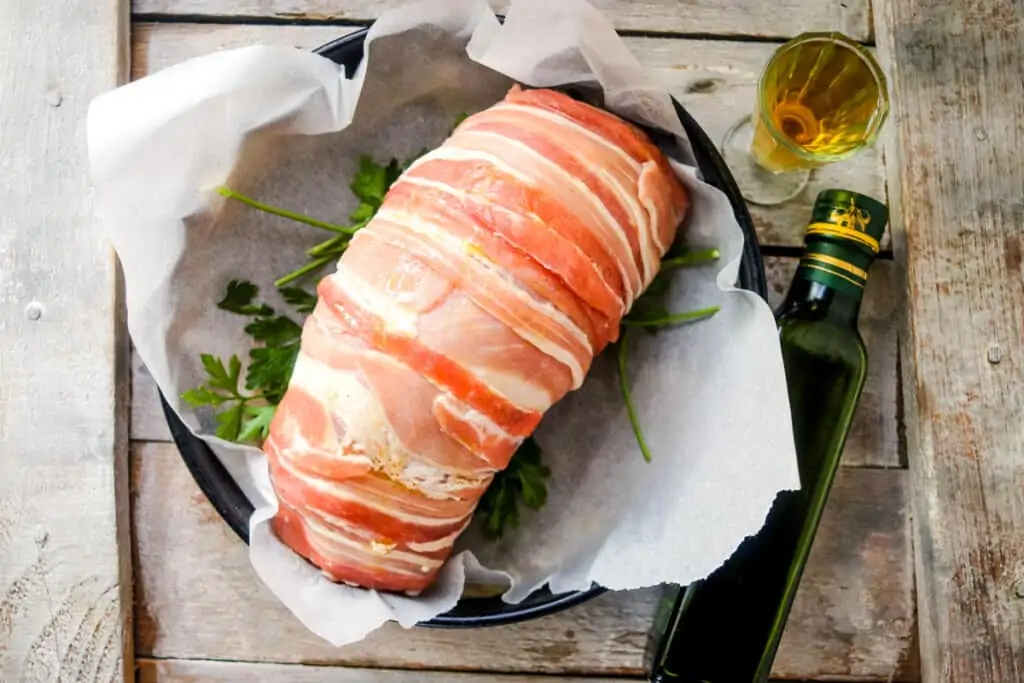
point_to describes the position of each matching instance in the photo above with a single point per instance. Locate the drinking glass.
(821, 98)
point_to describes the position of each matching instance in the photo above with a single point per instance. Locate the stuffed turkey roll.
(498, 266)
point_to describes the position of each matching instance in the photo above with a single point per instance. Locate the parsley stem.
(283, 213)
(304, 270)
(673, 319)
(693, 258)
(627, 397)
(336, 244)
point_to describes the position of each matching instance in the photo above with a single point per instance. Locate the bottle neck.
(817, 300)
(831, 277)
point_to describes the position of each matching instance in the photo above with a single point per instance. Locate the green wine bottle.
(727, 627)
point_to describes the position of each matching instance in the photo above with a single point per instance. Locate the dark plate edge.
(235, 508)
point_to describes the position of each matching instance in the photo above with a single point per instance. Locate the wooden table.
(114, 565)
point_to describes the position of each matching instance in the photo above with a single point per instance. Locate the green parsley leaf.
(256, 421)
(370, 182)
(271, 369)
(202, 396)
(239, 297)
(504, 515)
(302, 300)
(274, 330)
(221, 384)
(245, 417)
(535, 492)
(524, 481)
(220, 377)
(362, 215)
(229, 422)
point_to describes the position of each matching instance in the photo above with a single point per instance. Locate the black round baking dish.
(233, 506)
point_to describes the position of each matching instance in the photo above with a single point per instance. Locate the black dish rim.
(235, 508)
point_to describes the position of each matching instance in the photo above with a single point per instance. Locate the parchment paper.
(286, 126)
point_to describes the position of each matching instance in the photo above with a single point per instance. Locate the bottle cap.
(848, 216)
(842, 239)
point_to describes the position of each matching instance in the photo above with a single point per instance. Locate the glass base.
(758, 185)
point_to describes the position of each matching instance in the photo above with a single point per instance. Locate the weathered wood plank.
(874, 435)
(715, 80)
(873, 441)
(65, 571)
(191, 671)
(866, 528)
(198, 597)
(784, 18)
(158, 46)
(959, 217)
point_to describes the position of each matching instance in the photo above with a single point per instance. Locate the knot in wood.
(995, 354)
(34, 311)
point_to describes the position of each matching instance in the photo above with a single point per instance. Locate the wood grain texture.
(715, 80)
(857, 621)
(65, 572)
(959, 209)
(197, 597)
(874, 437)
(192, 671)
(784, 18)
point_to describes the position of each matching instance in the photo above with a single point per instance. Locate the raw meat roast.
(498, 266)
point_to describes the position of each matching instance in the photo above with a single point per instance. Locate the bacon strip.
(498, 266)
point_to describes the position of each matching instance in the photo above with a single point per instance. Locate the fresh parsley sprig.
(523, 481)
(370, 184)
(245, 416)
(649, 312)
(283, 213)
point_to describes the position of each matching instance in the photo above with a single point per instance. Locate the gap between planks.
(197, 597)
(733, 18)
(354, 24)
(209, 671)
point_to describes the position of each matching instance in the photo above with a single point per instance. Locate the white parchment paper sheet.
(286, 126)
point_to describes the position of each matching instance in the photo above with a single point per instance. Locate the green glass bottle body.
(826, 365)
(727, 627)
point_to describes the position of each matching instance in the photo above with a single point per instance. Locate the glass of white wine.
(821, 98)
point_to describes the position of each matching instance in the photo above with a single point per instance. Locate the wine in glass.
(821, 98)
